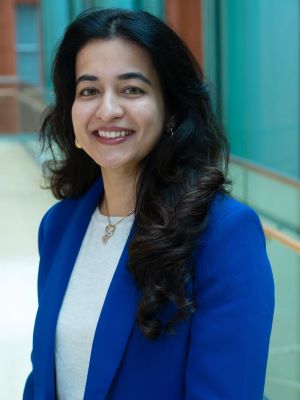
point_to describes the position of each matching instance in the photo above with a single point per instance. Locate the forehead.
(112, 57)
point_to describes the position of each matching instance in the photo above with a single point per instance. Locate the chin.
(112, 164)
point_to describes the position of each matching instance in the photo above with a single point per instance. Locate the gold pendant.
(109, 231)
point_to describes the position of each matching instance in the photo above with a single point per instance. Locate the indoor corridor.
(23, 204)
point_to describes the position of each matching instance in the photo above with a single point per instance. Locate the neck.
(119, 192)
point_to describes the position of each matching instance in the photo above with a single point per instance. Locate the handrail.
(266, 172)
(21, 95)
(271, 232)
(283, 238)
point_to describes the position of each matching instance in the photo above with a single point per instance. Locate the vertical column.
(7, 43)
(211, 41)
(129, 4)
(155, 7)
(76, 7)
(8, 101)
(185, 18)
(55, 18)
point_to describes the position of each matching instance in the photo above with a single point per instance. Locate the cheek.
(151, 116)
(75, 112)
(80, 113)
(157, 114)
(155, 123)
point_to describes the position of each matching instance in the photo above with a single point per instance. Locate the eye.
(133, 90)
(87, 92)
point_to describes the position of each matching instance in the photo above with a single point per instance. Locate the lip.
(112, 129)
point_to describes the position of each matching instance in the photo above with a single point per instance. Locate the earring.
(171, 132)
(77, 144)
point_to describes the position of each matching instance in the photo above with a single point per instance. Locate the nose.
(109, 107)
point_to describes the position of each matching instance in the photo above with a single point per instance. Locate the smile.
(114, 134)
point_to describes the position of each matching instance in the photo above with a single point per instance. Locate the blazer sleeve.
(28, 393)
(234, 293)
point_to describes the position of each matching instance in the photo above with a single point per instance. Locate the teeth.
(112, 135)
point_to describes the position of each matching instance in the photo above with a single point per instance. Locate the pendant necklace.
(110, 227)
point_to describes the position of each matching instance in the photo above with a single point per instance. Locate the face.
(118, 112)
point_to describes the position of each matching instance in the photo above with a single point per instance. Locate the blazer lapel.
(113, 330)
(54, 290)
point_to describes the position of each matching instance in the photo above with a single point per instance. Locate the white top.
(84, 298)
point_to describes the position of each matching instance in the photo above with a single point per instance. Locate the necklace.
(110, 227)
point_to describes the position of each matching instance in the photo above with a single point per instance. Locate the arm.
(235, 301)
(28, 393)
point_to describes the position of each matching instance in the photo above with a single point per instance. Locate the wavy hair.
(179, 177)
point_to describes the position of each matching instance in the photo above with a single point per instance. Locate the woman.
(153, 282)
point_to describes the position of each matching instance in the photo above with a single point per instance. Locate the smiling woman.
(118, 101)
(153, 282)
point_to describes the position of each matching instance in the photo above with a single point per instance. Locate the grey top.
(84, 298)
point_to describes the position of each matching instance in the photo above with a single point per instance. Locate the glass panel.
(115, 3)
(283, 371)
(27, 44)
(255, 67)
(26, 24)
(155, 7)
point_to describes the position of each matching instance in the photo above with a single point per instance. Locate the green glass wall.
(155, 7)
(57, 14)
(252, 57)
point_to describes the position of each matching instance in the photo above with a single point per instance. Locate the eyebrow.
(122, 77)
(134, 75)
(90, 78)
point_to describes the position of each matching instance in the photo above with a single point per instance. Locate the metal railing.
(270, 231)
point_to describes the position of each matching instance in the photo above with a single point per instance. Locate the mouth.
(113, 136)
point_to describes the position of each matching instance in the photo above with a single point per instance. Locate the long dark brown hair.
(180, 176)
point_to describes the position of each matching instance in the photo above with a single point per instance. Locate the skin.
(107, 99)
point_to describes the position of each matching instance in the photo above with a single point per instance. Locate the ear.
(171, 122)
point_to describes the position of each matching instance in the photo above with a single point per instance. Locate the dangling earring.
(77, 143)
(169, 131)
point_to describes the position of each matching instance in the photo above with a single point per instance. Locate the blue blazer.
(220, 353)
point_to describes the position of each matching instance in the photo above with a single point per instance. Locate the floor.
(22, 204)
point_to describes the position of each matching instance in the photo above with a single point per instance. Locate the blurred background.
(250, 53)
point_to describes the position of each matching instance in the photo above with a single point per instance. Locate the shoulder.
(51, 232)
(232, 251)
(60, 211)
(228, 216)
(58, 216)
(225, 210)
(231, 222)
(55, 218)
